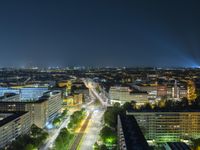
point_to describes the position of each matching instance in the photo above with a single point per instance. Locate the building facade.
(123, 94)
(168, 126)
(12, 125)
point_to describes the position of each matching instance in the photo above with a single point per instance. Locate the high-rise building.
(13, 125)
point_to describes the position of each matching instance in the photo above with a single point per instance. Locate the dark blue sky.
(100, 32)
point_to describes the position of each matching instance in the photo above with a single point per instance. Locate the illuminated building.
(124, 94)
(66, 84)
(162, 90)
(175, 91)
(183, 92)
(13, 125)
(168, 126)
(42, 111)
(26, 93)
(32, 93)
(191, 91)
(74, 99)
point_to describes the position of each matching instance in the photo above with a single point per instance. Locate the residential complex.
(171, 126)
(12, 125)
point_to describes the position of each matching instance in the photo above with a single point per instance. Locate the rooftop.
(6, 117)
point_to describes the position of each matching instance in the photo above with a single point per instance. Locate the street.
(81, 132)
(92, 131)
(54, 135)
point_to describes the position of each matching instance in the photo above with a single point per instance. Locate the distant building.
(162, 90)
(73, 100)
(26, 93)
(41, 111)
(191, 91)
(129, 134)
(4, 90)
(168, 126)
(32, 93)
(124, 94)
(183, 92)
(13, 125)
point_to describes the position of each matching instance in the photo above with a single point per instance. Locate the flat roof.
(163, 111)
(9, 116)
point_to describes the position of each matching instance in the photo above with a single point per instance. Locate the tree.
(75, 118)
(64, 113)
(63, 139)
(108, 136)
(196, 144)
(103, 147)
(109, 118)
(56, 121)
(127, 106)
(30, 147)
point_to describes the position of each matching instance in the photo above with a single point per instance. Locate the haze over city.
(100, 33)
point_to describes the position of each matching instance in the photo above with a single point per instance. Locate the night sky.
(134, 33)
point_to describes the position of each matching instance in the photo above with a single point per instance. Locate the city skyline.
(100, 33)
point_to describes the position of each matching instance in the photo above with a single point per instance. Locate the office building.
(124, 94)
(13, 125)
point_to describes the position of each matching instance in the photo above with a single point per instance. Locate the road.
(81, 133)
(54, 135)
(102, 98)
(92, 130)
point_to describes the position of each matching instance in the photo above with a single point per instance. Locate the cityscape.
(100, 75)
